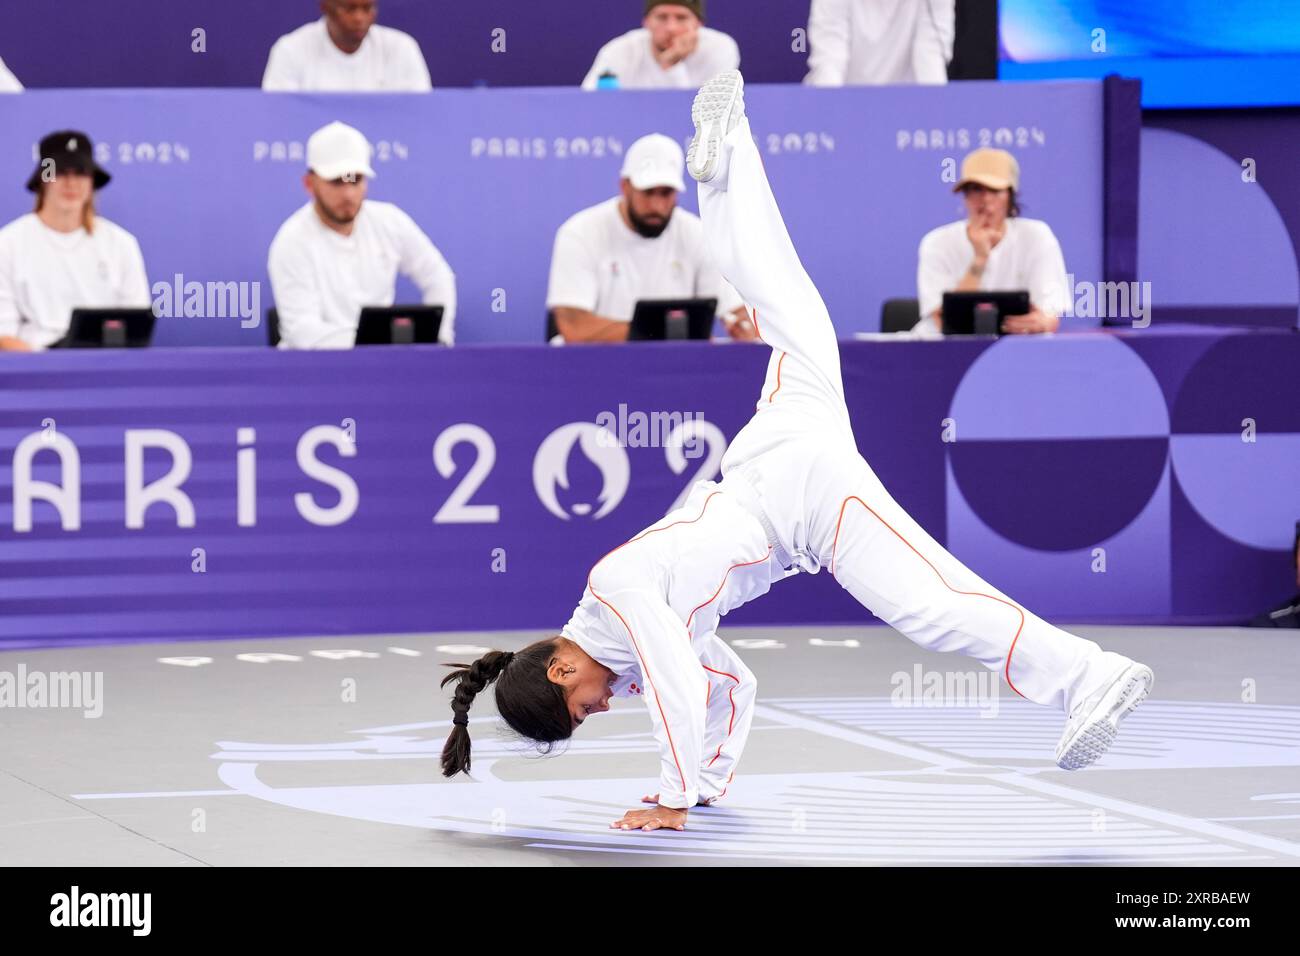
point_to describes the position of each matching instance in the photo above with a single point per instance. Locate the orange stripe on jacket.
(644, 669)
(731, 724)
(743, 564)
(779, 363)
(991, 597)
(662, 716)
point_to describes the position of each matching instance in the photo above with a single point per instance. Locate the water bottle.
(607, 81)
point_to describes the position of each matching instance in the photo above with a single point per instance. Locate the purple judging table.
(1140, 476)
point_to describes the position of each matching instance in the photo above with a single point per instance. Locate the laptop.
(399, 325)
(981, 313)
(656, 320)
(108, 329)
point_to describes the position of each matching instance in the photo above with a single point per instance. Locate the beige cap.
(655, 160)
(993, 168)
(338, 150)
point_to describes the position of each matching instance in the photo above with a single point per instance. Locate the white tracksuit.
(795, 495)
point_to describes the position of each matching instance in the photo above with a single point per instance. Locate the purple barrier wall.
(204, 178)
(1095, 477)
(1219, 225)
(77, 43)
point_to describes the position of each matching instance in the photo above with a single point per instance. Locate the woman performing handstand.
(795, 495)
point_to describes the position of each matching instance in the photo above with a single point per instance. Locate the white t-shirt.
(631, 59)
(389, 61)
(1026, 257)
(880, 41)
(8, 82)
(322, 280)
(601, 265)
(45, 274)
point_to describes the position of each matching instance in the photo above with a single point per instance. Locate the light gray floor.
(264, 761)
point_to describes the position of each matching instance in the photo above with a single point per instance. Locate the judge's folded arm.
(583, 325)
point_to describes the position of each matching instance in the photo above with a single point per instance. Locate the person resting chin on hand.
(993, 248)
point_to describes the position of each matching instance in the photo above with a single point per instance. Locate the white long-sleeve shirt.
(388, 61)
(322, 280)
(8, 82)
(631, 59)
(857, 42)
(650, 612)
(45, 274)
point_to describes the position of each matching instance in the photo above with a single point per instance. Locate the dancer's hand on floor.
(658, 818)
(702, 802)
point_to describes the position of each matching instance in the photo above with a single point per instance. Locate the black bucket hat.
(69, 149)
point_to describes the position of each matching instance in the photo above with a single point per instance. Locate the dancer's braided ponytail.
(471, 679)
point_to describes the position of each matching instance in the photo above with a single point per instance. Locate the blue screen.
(1188, 53)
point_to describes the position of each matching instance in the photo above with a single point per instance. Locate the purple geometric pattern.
(1173, 550)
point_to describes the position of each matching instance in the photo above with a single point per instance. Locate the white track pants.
(822, 498)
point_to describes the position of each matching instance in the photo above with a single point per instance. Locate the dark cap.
(695, 6)
(69, 149)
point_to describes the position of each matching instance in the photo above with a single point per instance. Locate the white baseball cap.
(338, 150)
(655, 160)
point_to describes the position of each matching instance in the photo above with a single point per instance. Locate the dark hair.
(1013, 204)
(529, 701)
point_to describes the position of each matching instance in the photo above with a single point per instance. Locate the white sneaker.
(1093, 725)
(717, 109)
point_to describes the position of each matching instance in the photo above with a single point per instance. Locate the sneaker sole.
(1095, 738)
(711, 114)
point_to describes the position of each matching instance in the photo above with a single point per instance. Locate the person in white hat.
(860, 42)
(992, 248)
(342, 252)
(636, 245)
(672, 49)
(8, 82)
(345, 51)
